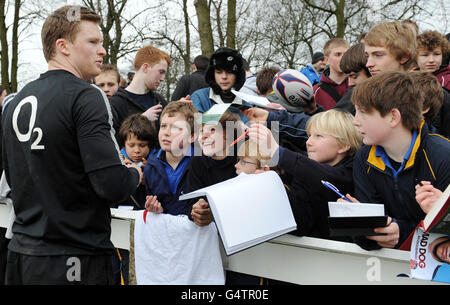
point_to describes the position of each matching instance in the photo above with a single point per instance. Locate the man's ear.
(144, 67)
(61, 46)
(325, 59)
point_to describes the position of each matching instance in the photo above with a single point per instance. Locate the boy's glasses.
(243, 162)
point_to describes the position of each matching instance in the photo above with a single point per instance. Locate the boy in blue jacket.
(166, 171)
(399, 153)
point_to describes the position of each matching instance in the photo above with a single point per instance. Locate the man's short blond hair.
(334, 43)
(397, 37)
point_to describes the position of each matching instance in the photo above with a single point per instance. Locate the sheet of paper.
(350, 209)
(249, 208)
(259, 101)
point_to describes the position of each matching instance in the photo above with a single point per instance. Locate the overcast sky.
(32, 61)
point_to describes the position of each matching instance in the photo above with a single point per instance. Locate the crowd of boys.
(375, 122)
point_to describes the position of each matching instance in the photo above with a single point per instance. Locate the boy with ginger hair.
(140, 95)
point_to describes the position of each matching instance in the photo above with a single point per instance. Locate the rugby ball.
(293, 87)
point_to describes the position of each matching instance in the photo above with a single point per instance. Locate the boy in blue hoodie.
(166, 171)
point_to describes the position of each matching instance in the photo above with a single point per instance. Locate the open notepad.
(248, 209)
(355, 219)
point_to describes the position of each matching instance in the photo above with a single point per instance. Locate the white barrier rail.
(301, 260)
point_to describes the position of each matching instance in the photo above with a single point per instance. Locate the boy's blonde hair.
(398, 38)
(250, 149)
(339, 125)
(334, 43)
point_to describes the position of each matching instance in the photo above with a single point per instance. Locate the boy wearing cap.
(225, 72)
(314, 70)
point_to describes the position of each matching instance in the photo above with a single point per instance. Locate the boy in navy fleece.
(166, 171)
(399, 152)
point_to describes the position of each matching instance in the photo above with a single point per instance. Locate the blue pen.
(334, 189)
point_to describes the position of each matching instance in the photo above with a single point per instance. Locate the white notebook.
(248, 209)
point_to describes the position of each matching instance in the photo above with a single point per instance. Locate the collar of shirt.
(380, 152)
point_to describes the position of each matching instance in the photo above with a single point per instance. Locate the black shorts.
(24, 269)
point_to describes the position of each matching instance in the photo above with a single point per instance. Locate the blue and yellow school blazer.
(376, 182)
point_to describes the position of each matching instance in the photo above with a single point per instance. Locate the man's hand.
(427, 195)
(152, 204)
(256, 114)
(391, 239)
(262, 136)
(201, 213)
(139, 169)
(152, 113)
(186, 99)
(353, 199)
(276, 106)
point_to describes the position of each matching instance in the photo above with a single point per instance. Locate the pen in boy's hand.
(239, 138)
(335, 189)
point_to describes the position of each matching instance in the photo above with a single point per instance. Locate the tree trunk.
(231, 24)
(204, 27)
(341, 20)
(4, 51)
(187, 55)
(15, 45)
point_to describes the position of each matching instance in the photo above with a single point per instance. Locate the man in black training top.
(62, 162)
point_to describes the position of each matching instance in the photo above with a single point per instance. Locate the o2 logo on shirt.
(31, 129)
